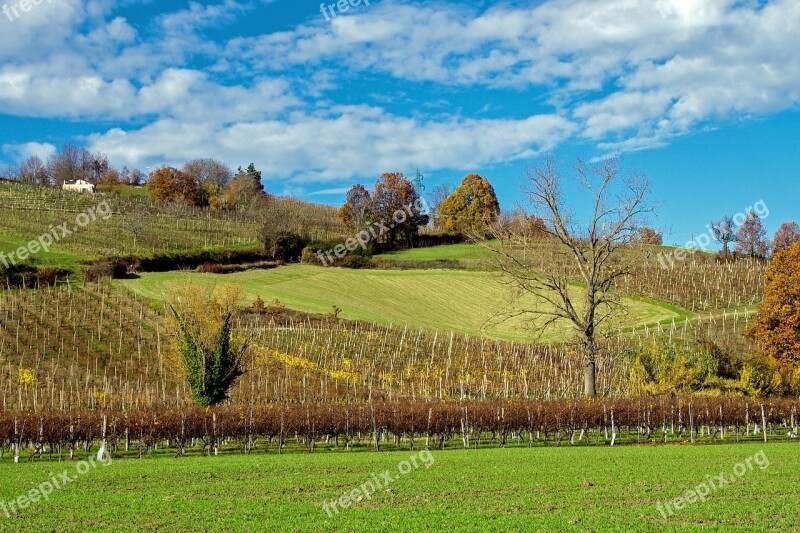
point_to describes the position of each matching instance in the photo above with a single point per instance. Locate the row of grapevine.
(650, 419)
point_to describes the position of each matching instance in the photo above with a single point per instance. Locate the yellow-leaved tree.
(472, 207)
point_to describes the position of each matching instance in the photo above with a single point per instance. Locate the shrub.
(659, 369)
(438, 239)
(211, 268)
(49, 276)
(353, 261)
(216, 268)
(760, 376)
(187, 260)
(429, 264)
(358, 258)
(213, 357)
(107, 269)
(28, 276)
(284, 245)
(309, 255)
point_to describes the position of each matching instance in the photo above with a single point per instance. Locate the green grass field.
(447, 300)
(455, 252)
(512, 489)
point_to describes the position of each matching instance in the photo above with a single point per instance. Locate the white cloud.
(650, 70)
(337, 143)
(338, 191)
(621, 74)
(21, 152)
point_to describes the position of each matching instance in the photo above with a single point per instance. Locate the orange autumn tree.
(396, 203)
(357, 211)
(168, 184)
(777, 328)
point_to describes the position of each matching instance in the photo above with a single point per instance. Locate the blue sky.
(699, 95)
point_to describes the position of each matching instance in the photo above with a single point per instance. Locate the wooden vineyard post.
(464, 428)
(613, 428)
(102, 451)
(214, 441)
(17, 440)
(280, 436)
(375, 429)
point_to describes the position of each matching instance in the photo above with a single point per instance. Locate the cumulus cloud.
(20, 152)
(627, 76)
(338, 143)
(637, 73)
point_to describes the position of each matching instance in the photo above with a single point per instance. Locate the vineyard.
(94, 346)
(68, 347)
(98, 346)
(697, 285)
(429, 424)
(137, 227)
(82, 364)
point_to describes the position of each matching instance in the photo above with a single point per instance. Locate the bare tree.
(589, 252)
(751, 239)
(439, 194)
(71, 163)
(786, 236)
(33, 172)
(9, 173)
(137, 177)
(724, 232)
(211, 175)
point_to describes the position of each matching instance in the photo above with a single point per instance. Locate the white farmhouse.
(78, 186)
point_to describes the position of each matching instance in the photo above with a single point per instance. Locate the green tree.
(210, 355)
(254, 175)
(471, 208)
(244, 190)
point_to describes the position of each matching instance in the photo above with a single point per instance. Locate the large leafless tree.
(585, 252)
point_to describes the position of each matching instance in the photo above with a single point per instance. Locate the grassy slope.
(57, 256)
(455, 252)
(567, 488)
(438, 299)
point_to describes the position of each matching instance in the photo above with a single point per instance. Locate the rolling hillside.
(447, 300)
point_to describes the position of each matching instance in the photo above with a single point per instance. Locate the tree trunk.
(589, 379)
(590, 370)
